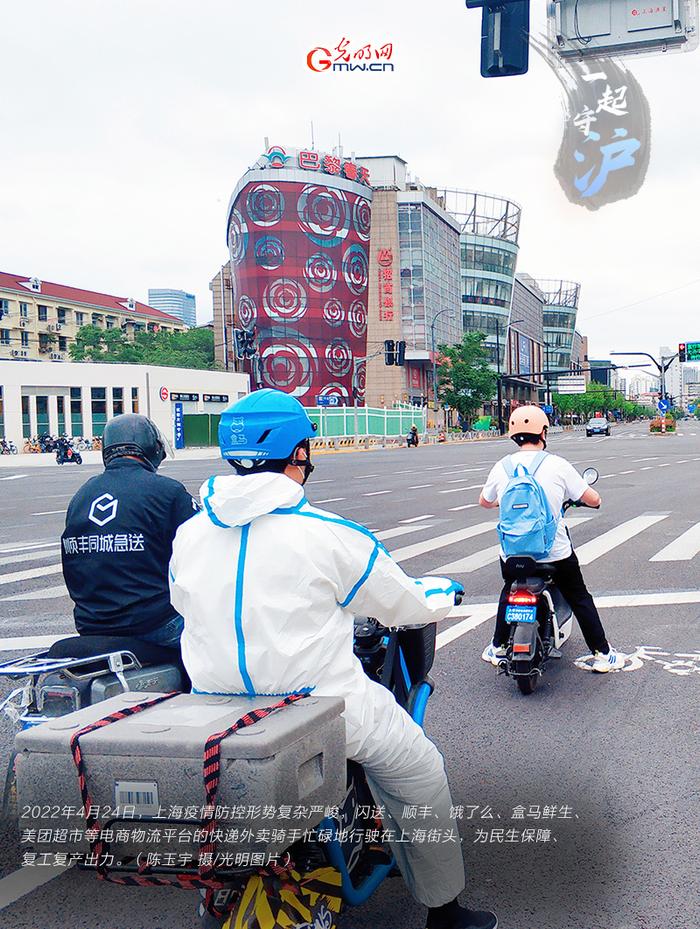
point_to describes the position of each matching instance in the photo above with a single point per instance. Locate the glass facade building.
(561, 306)
(488, 255)
(176, 302)
(430, 279)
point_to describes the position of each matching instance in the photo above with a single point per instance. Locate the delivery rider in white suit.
(268, 586)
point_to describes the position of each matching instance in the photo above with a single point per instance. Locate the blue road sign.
(327, 400)
(663, 406)
(179, 426)
(548, 408)
(691, 407)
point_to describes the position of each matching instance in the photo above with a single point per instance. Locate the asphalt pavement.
(580, 802)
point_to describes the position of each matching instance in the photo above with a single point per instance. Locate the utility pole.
(434, 357)
(662, 366)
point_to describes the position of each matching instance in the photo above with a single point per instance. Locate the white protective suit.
(268, 586)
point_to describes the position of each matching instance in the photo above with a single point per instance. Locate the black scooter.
(66, 453)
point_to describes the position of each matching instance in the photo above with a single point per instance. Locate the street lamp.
(440, 313)
(661, 367)
(499, 381)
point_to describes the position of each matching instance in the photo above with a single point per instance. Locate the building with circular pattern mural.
(298, 231)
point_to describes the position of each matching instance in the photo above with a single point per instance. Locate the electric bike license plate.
(521, 614)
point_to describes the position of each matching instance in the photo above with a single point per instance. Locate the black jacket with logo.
(117, 545)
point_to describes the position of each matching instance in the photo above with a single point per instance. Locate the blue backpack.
(526, 526)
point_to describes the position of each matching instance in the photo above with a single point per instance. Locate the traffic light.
(389, 351)
(681, 352)
(244, 343)
(400, 353)
(505, 35)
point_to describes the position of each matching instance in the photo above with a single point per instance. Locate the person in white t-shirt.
(560, 482)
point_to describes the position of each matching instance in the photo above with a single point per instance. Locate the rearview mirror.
(590, 476)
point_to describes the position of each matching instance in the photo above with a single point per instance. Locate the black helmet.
(133, 434)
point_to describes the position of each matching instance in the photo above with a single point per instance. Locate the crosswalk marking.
(25, 556)
(606, 542)
(489, 555)
(30, 574)
(685, 547)
(440, 541)
(400, 530)
(44, 593)
(417, 519)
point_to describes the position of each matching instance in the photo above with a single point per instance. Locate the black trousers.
(570, 582)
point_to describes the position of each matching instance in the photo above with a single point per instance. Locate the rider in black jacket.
(118, 538)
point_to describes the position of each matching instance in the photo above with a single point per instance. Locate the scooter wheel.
(527, 685)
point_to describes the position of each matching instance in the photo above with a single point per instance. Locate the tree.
(465, 380)
(193, 348)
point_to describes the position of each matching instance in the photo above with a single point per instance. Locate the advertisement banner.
(178, 426)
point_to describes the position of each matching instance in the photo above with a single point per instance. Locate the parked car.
(597, 426)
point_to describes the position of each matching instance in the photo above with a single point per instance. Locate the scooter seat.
(87, 646)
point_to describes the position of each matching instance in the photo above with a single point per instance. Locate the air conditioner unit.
(14, 352)
(58, 327)
(22, 323)
(51, 327)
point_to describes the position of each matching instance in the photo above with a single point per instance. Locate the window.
(98, 396)
(134, 399)
(96, 319)
(4, 308)
(118, 400)
(42, 313)
(42, 415)
(4, 336)
(26, 422)
(110, 322)
(62, 343)
(76, 411)
(79, 318)
(24, 337)
(24, 310)
(45, 342)
(62, 315)
(61, 408)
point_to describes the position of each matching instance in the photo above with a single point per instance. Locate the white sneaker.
(494, 655)
(613, 661)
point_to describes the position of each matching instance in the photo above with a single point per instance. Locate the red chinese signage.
(276, 157)
(385, 284)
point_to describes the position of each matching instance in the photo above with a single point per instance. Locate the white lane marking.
(20, 643)
(685, 547)
(27, 556)
(602, 476)
(647, 468)
(637, 460)
(48, 513)
(28, 546)
(456, 490)
(376, 493)
(471, 563)
(628, 472)
(25, 880)
(665, 465)
(434, 468)
(457, 480)
(326, 480)
(328, 500)
(417, 519)
(400, 530)
(478, 613)
(45, 593)
(13, 477)
(682, 461)
(419, 486)
(361, 476)
(488, 555)
(462, 471)
(466, 506)
(440, 541)
(606, 542)
(29, 575)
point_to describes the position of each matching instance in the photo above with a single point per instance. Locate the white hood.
(236, 501)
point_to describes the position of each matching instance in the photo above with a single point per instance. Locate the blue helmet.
(264, 425)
